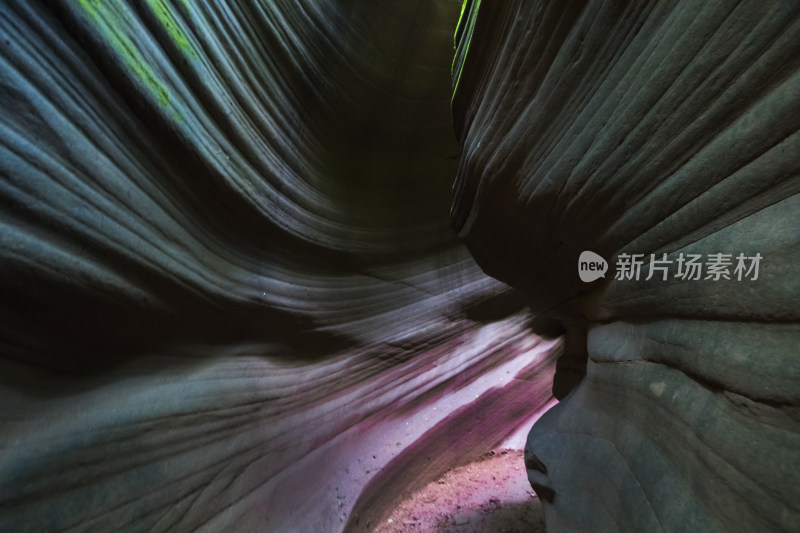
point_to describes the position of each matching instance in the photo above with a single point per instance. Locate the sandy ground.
(491, 495)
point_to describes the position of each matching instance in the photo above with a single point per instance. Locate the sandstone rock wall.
(230, 297)
(646, 128)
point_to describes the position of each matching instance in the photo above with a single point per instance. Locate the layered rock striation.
(651, 132)
(230, 296)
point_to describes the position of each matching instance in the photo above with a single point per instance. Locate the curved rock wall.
(663, 128)
(230, 296)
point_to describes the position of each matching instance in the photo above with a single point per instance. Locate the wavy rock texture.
(230, 297)
(647, 128)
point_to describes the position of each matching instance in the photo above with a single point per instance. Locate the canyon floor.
(490, 495)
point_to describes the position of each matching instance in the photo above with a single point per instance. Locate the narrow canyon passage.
(314, 266)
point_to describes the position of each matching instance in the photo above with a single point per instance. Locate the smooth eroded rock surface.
(230, 296)
(664, 128)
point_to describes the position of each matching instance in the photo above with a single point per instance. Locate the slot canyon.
(278, 266)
